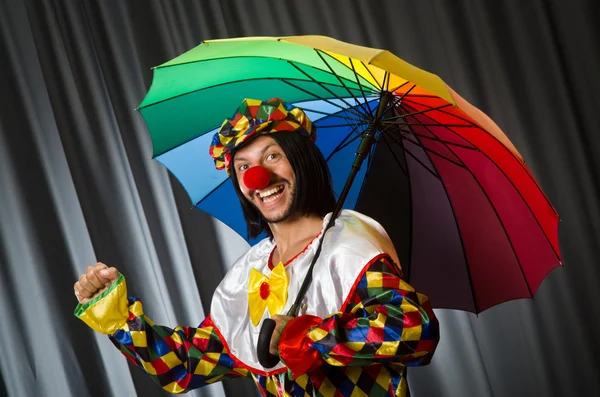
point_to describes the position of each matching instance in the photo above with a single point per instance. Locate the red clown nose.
(256, 178)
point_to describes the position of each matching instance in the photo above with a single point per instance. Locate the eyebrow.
(237, 159)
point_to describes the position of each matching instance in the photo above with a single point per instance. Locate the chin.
(279, 217)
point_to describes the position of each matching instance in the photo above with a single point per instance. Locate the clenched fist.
(94, 282)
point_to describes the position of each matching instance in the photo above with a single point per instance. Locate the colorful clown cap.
(257, 117)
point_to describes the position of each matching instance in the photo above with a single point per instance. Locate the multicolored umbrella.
(472, 226)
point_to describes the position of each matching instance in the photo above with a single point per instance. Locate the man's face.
(274, 201)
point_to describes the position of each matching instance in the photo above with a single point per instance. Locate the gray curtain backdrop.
(77, 185)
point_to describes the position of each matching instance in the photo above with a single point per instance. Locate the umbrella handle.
(265, 358)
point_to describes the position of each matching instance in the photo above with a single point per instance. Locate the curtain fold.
(77, 184)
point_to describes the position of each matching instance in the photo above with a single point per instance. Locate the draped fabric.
(77, 184)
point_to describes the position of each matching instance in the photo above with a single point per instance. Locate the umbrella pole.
(363, 150)
(265, 358)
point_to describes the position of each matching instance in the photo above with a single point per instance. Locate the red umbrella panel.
(449, 186)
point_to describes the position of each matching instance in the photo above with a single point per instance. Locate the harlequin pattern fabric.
(361, 350)
(252, 117)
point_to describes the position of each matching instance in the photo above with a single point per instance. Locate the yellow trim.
(109, 311)
(81, 308)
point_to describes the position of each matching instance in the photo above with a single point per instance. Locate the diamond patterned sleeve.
(384, 320)
(179, 359)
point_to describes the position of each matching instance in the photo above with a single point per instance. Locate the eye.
(272, 156)
(243, 167)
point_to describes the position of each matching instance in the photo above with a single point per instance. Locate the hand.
(94, 282)
(279, 323)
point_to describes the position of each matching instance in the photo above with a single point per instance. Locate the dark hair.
(314, 189)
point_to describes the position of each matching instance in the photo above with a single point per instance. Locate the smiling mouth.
(272, 194)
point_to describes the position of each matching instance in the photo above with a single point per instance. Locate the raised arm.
(179, 359)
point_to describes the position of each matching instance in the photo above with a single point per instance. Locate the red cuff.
(294, 349)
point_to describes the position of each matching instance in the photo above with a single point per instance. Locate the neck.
(293, 235)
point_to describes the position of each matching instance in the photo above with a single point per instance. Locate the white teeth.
(270, 192)
(270, 198)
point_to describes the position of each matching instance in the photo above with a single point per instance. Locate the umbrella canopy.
(472, 226)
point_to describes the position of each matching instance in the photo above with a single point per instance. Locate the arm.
(178, 359)
(384, 321)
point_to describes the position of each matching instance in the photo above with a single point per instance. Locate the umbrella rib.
(397, 101)
(361, 88)
(393, 106)
(442, 111)
(341, 125)
(386, 81)
(319, 53)
(328, 114)
(343, 143)
(407, 91)
(412, 223)
(434, 152)
(513, 185)
(377, 87)
(414, 157)
(462, 243)
(211, 129)
(419, 112)
(436, 139)
(351, 59)
(326, 89)
(408, 123)
(520, 161)
(392, 123)
(406, 275)
(283, 79)
(430, 96)
(212, 59)
(341, 147)
(244, 56)
(350, 108)
(499, 220)
(374, 79)
(404, 171)
(402, 85)
(350, 121)
(420, 144)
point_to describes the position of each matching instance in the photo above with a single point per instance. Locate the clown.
(359, 325)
